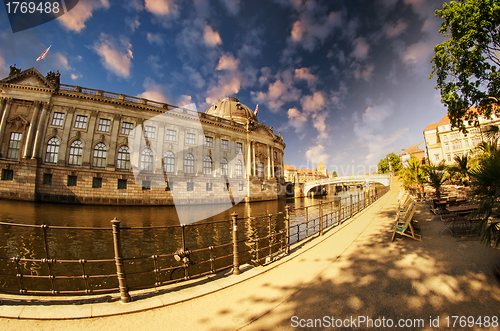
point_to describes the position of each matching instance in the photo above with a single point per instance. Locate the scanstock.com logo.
(25, 15)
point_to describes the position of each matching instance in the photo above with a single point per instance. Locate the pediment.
(30, 77)
(18, 121)
(264, 130)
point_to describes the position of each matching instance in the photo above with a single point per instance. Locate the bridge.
(384, 179)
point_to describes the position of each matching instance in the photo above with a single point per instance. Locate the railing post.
(287, 224)
(340, 211)
(271, 241)
(351, 206)
(120, 269)
(236, 259)
(321, 218)
(359, 204)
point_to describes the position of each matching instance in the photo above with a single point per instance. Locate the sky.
(345, 81)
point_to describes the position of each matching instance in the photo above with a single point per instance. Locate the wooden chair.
(404, 224)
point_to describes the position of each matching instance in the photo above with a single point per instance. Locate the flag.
(256, 110)
(41, 57)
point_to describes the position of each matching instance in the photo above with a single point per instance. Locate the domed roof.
(232, 109)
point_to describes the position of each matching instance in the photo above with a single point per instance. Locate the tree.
(383, 166)
(413, 175)
(436, 177)
(466, 65)
(461, 167)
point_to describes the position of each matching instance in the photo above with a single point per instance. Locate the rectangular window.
(96, 182)
(260, 169)
(171, 135)
(239, 147)
(127, 128)
(104, 125)
(240, 186)
(7, 174)
(190, 138)
(47, 179)
(81, 122)
(122, 184)
(224, 144)
(436, 157)
(72, 180)
(14, 145)
(190, 186)
(146, 185)
(466, 143)
(275, 155)
(209, 141)
(447, 147)
(58, 119)
(448, 156)
(149, 132)
(209, 186)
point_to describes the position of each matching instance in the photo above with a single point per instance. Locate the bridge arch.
(381, 179)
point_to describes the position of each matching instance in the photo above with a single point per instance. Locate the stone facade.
(64, 143)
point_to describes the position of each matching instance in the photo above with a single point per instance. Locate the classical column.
(253, 159)
(30, 139)
(5, 116)
(40, 131)
(115, 129)
(269, 161)
(272, 162)
(249, 159)
(2, 104)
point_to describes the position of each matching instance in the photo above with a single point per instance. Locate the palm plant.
(413, 174)
(461, 167)
(436, 176)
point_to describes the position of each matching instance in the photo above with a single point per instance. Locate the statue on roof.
(14, 70)
(54, 78)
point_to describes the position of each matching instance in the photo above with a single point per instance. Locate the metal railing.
(41, 259)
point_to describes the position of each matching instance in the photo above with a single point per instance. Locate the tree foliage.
(383, 165)
(466, 64)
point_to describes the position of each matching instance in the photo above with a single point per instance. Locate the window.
(239, 147)
(263, 187)
(448, 157)
(189, 164)
(240, 185)
(207, 165)
(223, 166)
(122, 184)
(72, 180)
(147, 159)
(7, 174)
(96, 182)
(466, 143)
(209, 186)
(52, 151)
(100, 155)
(127, 128)
(81, 122)
(171, 135)
(149, 132)
(275, 155)
(103, 125)
(209, 142)
(436, 157)
(123, 159)
(169, 162)
(444, 137)
(14, 145)
(47, 179)
(260, 169)
(190, 138)
(190, 186)
(224, 144)
(447, 147)
(239, 169)
(58, 119)
(146, 185)
(75, 153)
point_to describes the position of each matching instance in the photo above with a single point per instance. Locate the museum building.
(63, 143)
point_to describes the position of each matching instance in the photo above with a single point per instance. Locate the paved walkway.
(356, 271)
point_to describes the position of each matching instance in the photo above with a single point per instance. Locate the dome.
(232, 109)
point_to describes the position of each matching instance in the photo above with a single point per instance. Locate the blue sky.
(346, 82)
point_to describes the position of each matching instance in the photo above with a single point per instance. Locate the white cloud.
(75, 76)
(317, 153)
(279, 92)
(319, 123)
(132, 23)
(305, 74)
(116, 56)
(3, 68)
(162, 7)
(313, 103)
(155, 38)
(211, 37)
(232, 6)
(363, 71)
(75, 19)
(313, 27)
(296, 119)
(227, 62)
(153, 91)
(394, 30)
(227, 84)
(185, 100)
(61, 61)
(361, 49)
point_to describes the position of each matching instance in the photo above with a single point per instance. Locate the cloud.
(279, 92)
(132, 23)
(153, 91)
(361, 49)
(3, 68)
(155, 38)
(194, 76)
(227, 84)
(75, 76)
(305, 74)
(116, 55)
(363, 71)
(315, 154)
(313, 103)
(61, 62)
(232, 6)
(394, 30)
(211, 37)
(162, 7)
(227, 62)
(75, 19)
(319, 123)
(184, 100)
(296, 119)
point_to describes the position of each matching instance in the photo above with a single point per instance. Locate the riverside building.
(63, 143)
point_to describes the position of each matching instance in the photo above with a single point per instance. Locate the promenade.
(354, 270)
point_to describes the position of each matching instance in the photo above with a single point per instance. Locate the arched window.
(123, 159)
(147, 159)
(75, 153)
(189, 164)
(52, 150)
(169, 162)
(100, 155)
(223, 166)
(207, 165)
(239, 168)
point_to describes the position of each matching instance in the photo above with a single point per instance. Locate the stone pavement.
(354, 270)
